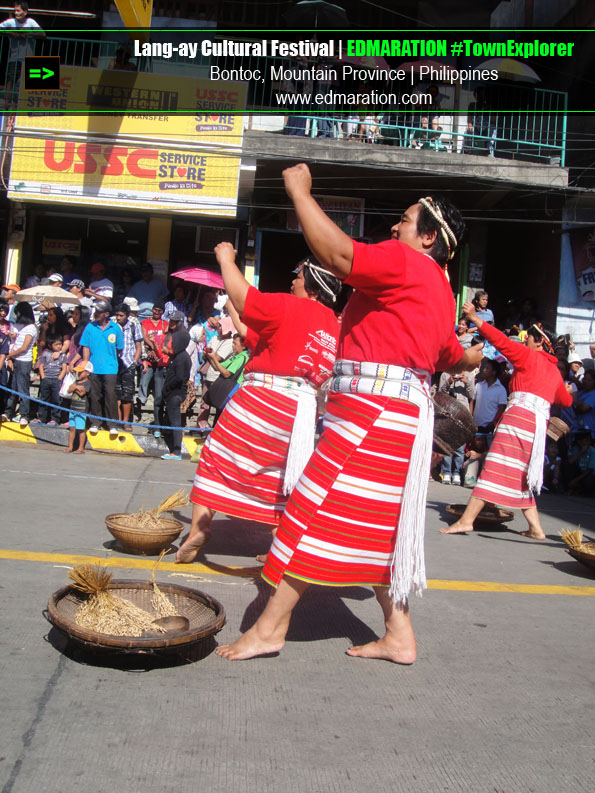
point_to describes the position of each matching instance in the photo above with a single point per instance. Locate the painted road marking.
(98, 478)
(253, 572)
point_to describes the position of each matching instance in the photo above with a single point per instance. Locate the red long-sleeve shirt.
(535, 371)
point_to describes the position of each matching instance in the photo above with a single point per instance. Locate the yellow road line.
(129, 564)
(252, 572)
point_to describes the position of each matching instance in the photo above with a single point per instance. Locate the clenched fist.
(298, 180)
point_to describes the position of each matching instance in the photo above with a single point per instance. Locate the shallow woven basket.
(137, 539)
(586, 557)
(487, 514)
(205, 614)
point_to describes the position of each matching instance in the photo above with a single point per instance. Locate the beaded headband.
(445, 229)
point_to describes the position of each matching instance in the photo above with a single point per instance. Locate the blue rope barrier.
(103, 418)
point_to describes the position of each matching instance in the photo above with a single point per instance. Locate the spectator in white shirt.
(490, 398)
(101, 288)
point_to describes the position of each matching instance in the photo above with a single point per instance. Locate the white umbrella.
(46, 293)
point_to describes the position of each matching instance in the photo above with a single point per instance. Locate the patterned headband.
(314, 269)
(445, 229)
(545, 339)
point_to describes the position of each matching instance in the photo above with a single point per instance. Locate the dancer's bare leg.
(398, 643)
(465, 522)
(200, 534)
(535, 532)
(262, 557)
(267, 635)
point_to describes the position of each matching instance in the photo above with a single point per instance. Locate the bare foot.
(261, 557)
(79, 451)
(67, 451)
(386, 650)
(533, 534)
(457, 528)
(188, 552)
(249, 645)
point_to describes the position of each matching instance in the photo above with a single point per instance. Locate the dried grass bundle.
(105, 612)
(160, 602)
(149, 518)
(574, 538)
(176, 500)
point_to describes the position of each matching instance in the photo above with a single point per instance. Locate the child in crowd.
(551, 467)
(78, 408)
(52, 368)
(581, 466)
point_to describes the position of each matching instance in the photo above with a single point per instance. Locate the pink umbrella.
(196, 275)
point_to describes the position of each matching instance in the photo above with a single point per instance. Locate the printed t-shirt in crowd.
(51, 366)
(487, 401)
(156, 332)
(78, 404)
(402, 311)
(290, 336)
(103, 344)
(26, 330)
(104, 287)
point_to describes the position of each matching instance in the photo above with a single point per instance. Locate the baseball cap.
(132, 303)
(98, 267)
(12, 287)
(177, 316)
(103, 305)
(56, 277)
(78, 283)
(87, 366)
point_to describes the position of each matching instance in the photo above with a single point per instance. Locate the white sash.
(541, 410)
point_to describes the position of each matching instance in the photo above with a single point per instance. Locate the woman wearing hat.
(513, 469)
(260, 445)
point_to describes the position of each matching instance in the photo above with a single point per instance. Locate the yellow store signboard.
(114, 175)
(153, 159)
(157, 106)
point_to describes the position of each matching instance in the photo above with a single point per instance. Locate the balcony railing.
(511, 121)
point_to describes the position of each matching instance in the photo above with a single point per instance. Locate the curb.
(126, 443)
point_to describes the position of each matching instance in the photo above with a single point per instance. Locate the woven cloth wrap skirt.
(513, 467)
(340, 525)
(243, 464)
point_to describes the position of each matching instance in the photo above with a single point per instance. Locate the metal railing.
(511, 121)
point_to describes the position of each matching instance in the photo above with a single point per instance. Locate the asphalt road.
(500, 699)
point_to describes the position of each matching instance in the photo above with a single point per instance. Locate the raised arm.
(241, 328)
(331, 246)
(515, 352)
(236, 285)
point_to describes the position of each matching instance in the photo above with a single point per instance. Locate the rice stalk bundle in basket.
(160, 602)
(149, 519)
(574, 539)
(105, 612)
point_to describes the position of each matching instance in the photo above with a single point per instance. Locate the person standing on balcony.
(22, 29)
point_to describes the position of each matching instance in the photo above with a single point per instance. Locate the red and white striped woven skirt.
(503, 479)
(340, 525)
(242, 464)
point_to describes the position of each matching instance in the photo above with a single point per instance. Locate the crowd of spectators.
(112, 348)
(569, 464)
(122, 344)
